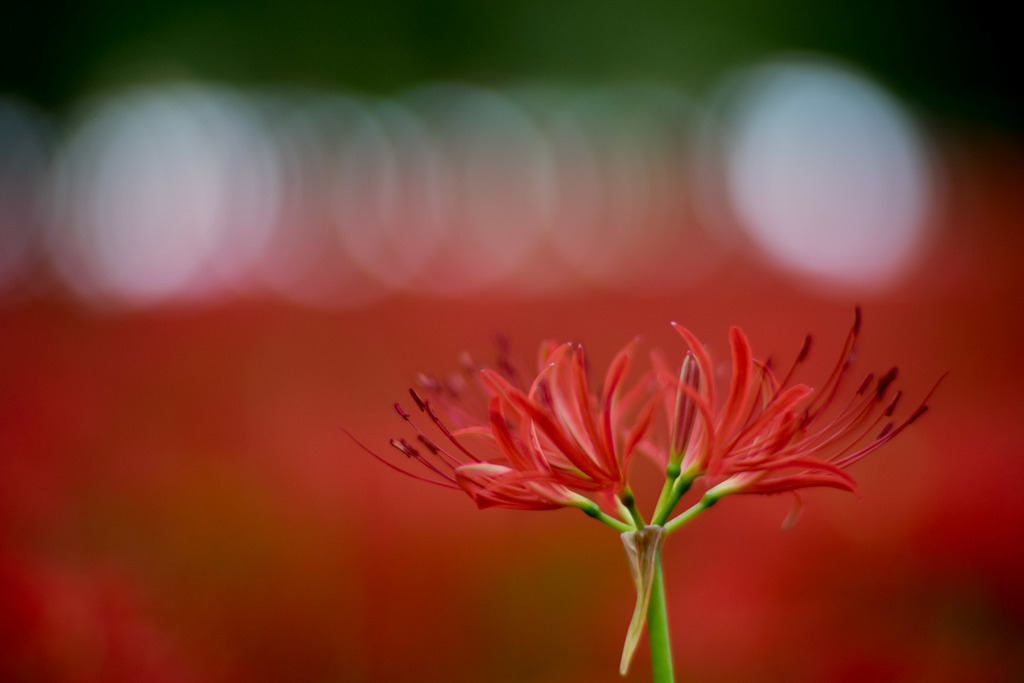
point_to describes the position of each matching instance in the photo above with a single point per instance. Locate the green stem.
(670, 497)
(660, 513)
(627, 504)
(684, 517)
(594, 511)
(657, 630)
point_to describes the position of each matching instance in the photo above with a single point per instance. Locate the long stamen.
(396, 467)
(441, 453)
(406, 449)
(890, 431)
(805, 350)
(425, 407)
(844, 422)
(887, 379)
(831, 386)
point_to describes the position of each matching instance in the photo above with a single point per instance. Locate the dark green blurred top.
(953, 61)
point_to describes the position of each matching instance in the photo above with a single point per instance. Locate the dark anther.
(404, 415)
(403, 447)
(917, 413)
(419, 401)
(885, 431)
(804, 350)
(892, 406)
(856, 320)
(431, 446)
(884, 382)
(865, 383)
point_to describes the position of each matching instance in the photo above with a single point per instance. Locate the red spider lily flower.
(772, 436)
(586, 439)
(490, 483)
(556, 442)
(538, 447)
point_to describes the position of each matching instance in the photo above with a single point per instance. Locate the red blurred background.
(179, 501)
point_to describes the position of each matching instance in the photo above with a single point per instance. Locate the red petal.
(735, 410)
(703, 360)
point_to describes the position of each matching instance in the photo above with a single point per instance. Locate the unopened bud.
(686, 409)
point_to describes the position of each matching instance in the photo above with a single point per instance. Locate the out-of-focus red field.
(178, 501)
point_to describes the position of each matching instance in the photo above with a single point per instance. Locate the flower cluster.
(557, 441)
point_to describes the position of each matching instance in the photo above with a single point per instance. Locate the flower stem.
(592, 510)
(657, 629)
(660, 511)
(673, 491)
(628, 505)
(694, 510)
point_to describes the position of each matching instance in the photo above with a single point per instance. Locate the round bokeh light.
(826, 173)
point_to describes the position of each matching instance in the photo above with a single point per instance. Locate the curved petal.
(735, 409)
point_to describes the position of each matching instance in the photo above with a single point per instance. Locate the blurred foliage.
(952, 59)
